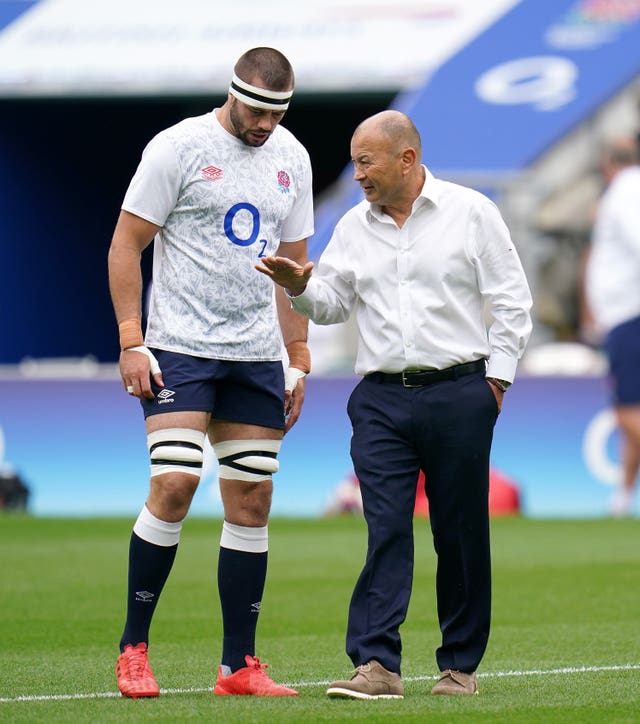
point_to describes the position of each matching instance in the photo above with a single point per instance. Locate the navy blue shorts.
(247, 392)
(623, 350)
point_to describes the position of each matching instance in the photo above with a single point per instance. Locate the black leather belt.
(421, 378)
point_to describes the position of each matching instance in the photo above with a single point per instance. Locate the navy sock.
(149, 567)
(241, 578)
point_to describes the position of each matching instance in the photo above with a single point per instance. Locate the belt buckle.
(404, 378)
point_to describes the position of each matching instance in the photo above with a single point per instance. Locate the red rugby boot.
(250, 681)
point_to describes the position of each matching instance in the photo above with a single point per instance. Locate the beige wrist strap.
(130, 333)
(299, 356)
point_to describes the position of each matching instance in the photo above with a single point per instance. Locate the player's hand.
(137, 366)
(293, 399)
(286, 272)
(498, 394)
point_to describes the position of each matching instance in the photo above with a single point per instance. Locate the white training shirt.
(420, 293)
(221, 205)
(613, 270)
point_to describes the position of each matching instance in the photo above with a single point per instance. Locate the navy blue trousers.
(445, 429)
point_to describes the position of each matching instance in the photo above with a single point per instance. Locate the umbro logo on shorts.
(165, 396)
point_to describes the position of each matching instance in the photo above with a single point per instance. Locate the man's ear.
(408, 157)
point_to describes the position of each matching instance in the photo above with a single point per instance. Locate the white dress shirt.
(446, 288)
(613, 271)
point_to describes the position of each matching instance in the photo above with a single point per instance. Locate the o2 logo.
(244, 208)
(544, 82)
(600, 431)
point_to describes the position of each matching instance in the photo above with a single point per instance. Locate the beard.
(244, 132)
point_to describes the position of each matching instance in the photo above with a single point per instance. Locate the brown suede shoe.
(369, 681)
(456, 682)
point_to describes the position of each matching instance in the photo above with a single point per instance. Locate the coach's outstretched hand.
(286, 272)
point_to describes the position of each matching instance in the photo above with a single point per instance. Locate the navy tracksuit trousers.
(445, 429)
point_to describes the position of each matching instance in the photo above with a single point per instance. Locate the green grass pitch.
(564, 647)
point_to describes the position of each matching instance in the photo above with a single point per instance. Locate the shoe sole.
(219, 691)
(453, 692)
(233, 693)
(339, 693)
(140, 696)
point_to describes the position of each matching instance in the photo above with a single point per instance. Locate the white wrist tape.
(291, 377)
(155, 367)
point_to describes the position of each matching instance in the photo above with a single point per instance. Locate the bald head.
(393, 128)
(618, 153)
(386, 154)
(622, 151)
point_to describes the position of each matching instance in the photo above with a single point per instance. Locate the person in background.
(14, 492)
(612, 289)
(216, 192)
(419, 262)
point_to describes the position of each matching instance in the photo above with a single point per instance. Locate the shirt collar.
(430, 188)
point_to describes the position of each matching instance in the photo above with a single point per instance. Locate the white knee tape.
(242, 538)
(248, 460)
(156, 531)
(176, 450)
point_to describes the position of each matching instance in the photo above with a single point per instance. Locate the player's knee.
(172, 493)
(176, 450)
(247, 460)
(249, 503)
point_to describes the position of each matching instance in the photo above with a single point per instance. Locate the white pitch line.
(302, 684)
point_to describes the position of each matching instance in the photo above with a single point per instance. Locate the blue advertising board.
(80, 446)
(513, 92)
(11, 10)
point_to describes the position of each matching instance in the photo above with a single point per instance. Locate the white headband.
(259, 97)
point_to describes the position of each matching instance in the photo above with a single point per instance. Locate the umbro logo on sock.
(255, 607)
(144, 596)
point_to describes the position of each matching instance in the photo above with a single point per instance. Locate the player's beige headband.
(259, 97)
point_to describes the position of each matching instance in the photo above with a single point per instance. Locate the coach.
(443, 315)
